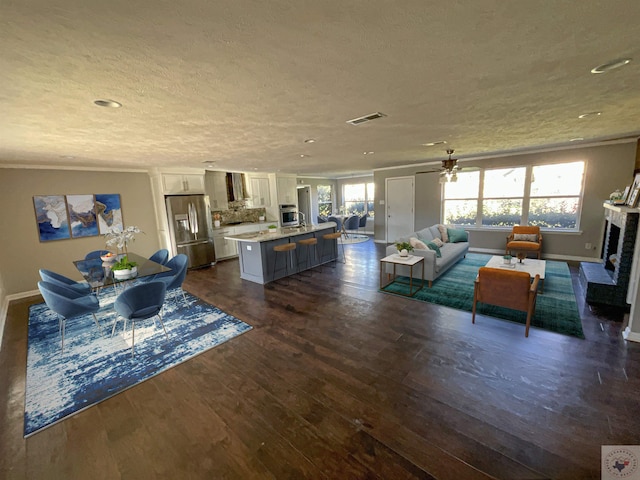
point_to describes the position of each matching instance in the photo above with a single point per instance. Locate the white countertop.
(285, 232)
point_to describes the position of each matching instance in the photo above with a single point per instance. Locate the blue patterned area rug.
(94, 367)
(556, 308)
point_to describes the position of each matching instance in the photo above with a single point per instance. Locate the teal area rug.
(556, 308)
(94, 367)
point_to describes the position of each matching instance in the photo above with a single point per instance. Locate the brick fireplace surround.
(607, 283)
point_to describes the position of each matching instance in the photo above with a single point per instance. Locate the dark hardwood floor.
(339, 381)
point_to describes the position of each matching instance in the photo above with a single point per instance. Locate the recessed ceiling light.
(67, 157)
(612, 65)
(303, 155)
(577, 139)
(108, 103)
(431, 144)
(590, 114)
(310, 140)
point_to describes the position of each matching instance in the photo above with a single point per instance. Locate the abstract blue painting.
(51, 216)
(109, 212)
(82, 216)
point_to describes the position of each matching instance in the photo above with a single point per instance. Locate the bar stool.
(284, 248)
(308, 242)
(333, 236)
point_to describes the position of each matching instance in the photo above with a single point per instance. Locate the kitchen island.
(257, 258)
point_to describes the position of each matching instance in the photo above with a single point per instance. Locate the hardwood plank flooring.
(340, 381)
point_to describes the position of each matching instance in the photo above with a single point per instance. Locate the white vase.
(216, 223)
(125, 274)
(404, 252)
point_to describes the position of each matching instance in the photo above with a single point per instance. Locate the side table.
(409, 261)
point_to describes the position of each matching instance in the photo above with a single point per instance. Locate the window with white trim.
(325, 200)
(549, 196)
(358, 198)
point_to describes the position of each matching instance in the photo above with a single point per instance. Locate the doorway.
(399, 202)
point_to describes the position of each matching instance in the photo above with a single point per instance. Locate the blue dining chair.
(363, 222)
(161, 256)
(351, 224)
(140, 302)
(337, 221)
(53, 277)
(174, 279)
(95, 254)
(68, 303)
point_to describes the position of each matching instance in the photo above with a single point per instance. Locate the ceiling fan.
(448, 170)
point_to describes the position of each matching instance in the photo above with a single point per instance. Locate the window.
(502, 196)
(325, 202)
(555, 195)
(545, 195)
(461, 199)
(358, 198)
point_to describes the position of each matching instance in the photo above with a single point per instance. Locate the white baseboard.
(627, 334)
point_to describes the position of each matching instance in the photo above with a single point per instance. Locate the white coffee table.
(532, 266)
(409, 261)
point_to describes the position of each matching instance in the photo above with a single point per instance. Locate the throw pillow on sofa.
(443, 233)
(435, 248)
(457, 235)
(417, 244)
(438, 242)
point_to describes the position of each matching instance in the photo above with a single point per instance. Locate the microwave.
(288, 216)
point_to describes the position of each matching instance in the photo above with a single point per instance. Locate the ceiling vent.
(366, 118)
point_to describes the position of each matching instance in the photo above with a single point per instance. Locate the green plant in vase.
(124, 264)
(404, 248)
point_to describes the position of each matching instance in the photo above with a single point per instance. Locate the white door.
(304, 203)
(399, 193)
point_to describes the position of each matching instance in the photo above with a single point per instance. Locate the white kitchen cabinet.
(216, 188)
(224, 248)
(287, 190)
(182, 183)
(260, 192)
(229, 248)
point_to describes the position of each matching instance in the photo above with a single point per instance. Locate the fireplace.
(607, 282)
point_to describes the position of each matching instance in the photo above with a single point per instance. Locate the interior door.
(304, 203)
(399, 202)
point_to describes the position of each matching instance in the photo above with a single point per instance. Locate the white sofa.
(434, 266)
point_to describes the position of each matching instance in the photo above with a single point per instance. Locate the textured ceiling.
(243, 83)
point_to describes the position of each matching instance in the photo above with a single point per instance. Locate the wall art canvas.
(82, 216)
(51, 216)
(109, 212)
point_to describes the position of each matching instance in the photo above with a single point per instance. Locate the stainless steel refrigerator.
(191, 230)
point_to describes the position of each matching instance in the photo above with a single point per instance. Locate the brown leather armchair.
(524, 238)
(506, 288)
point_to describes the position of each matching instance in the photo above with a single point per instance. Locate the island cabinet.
(258, 261)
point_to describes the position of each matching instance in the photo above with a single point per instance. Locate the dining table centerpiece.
(120, 239)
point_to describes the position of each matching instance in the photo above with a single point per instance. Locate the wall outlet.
(588, 246)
